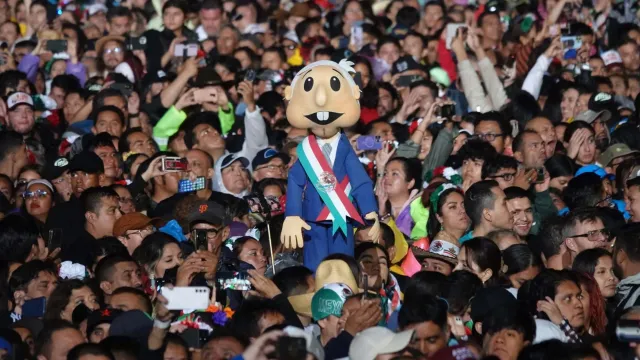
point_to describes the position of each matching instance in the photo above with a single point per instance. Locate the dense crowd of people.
(145, 151)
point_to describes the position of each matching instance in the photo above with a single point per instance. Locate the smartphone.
(194, 338)
(250, 75)
(368, 142)
(186, 50)
(174, 164)
(187, 297)
(137, 43)
(55, 239)
(291, 348)
(571, 42)
(57, 46)
(628, 330)
(446, 111)
(125, 89)
(34, 308)
(452, 30)
(407, 80)
(203, 95)
(539, 175)
(200, 239)
(234, 280)
(357, 36)
(186, 185)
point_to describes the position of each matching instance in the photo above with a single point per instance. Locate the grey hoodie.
(218, 185)
(625, 287)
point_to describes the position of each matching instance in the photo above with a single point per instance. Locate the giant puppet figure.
(329, 188)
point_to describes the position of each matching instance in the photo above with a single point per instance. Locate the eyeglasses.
(487, 137)
(145, 231)
(271, 167)
(505, 177)
(595, 235)
(38, 193)
(60, 180)
(112, 51)
(606, 202)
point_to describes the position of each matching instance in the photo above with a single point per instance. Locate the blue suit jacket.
(303, 199)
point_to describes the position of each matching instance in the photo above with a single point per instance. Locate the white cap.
(96, 8)
(19, 98)
(611, 57)
(369, 343)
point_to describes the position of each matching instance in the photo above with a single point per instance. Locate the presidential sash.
(334, 194)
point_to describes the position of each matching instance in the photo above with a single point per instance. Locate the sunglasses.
(38, 193)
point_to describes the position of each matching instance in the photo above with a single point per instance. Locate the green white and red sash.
(334, 194)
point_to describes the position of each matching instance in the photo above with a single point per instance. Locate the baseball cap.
(590, 116)
(378, 340)
(88, 162)
(54, 169)
(266, 155)
(229, 159)
(207, 76)
(601, 101)
(613, 152)
(403, 64)
(594, 169)
(134, 324)
(209, 212)
(132, 221)
(101, 316)
(96, 8)
(19, 98)
(41, 182)
(329, 301)
(154, 77)
(487, 299)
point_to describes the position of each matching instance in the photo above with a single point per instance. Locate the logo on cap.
(602, 97)
(269, 153)
(203, 208)
(61, 162)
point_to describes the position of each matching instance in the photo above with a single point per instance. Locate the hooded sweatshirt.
(218, 185)
(628, 292)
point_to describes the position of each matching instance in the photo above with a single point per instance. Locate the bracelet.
(161, 324)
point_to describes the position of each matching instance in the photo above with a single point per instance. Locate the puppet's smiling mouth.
(323, 117)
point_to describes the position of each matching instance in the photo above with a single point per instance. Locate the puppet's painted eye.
(335, 83)
(308, 84)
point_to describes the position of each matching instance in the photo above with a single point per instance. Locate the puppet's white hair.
(345, 67)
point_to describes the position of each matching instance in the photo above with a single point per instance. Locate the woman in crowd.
(158, 253)
(448, 220)
(38, 200)
(579, 140)
(598, 264)
(249, 250)
(66, 296)
(482, 257)
(520, 264)
(561, 170)
(400, 185)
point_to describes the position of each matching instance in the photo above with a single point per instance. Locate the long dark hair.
(486, 254)
(518, 258)
(433, 224)
(151, 249)
(60, 298)
(587, 260)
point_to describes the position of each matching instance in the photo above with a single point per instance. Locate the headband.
(435, 196)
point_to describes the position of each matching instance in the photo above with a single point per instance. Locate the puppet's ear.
(358, 79)
(287, 93)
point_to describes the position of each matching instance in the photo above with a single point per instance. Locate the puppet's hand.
(291, 235)
(374, 233)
